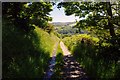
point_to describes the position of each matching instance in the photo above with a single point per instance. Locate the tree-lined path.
(72, 69)
(32, 32)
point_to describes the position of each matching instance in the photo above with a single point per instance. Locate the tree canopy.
(102, 14)
(25, 15)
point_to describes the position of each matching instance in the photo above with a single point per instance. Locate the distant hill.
(62, 23)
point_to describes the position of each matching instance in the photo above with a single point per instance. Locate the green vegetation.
(93, 56)
(59, 50)
(27, 46)
(99, 56)
(24, 15)
(104, 15)
(26, 55)
(70, 42)
(66, 31)
(28, 39)
(58, 65)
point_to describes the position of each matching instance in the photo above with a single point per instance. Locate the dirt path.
(64, 49)
(71, 68)
(52, 62)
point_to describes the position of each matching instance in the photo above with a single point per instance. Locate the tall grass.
(90, 55)
(25, 55)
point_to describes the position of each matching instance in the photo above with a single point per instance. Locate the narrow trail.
(64, 49)
(50, 70)
(72, 69)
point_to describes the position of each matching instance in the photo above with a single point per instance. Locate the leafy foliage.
(95, 14)
(101, 19)
(27, 49)
(24, 15)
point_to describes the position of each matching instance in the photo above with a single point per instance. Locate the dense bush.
(99, 58)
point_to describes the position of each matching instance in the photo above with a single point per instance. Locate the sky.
(58, 15)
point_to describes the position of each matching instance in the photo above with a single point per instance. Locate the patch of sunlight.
(106, 44)
(74, 76)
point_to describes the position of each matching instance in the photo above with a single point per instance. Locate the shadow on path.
(50, 70)
(72, 69)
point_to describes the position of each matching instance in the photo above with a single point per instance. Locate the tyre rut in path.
(50, 70)
(71, 69)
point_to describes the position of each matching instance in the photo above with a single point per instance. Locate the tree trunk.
(110, 24)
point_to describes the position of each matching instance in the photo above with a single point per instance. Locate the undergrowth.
(25, 55)
(94, 56)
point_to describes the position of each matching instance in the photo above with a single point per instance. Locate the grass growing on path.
(58, 65)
